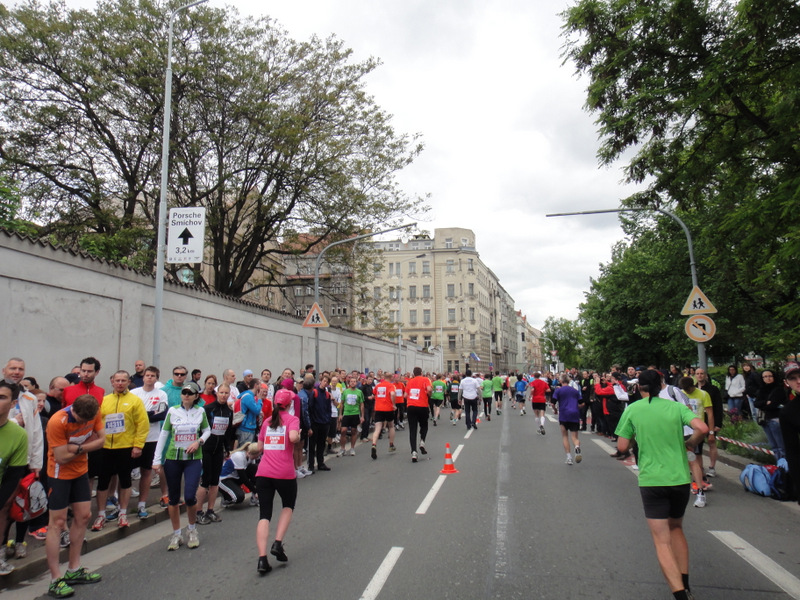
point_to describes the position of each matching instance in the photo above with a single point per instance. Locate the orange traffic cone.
(449, 467)
(477, 421)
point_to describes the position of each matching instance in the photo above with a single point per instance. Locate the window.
(393, 246)
(451, 290)
(392, 293)
(451, 315)
(298, 291)
(300, 311)
(394, 316)
(472, 340)
(451, 342)
(309, 290)
(426, 316)
(450, 366)
(451, 266)
(455, 365)
(464, 242)
(412, 339)
(412, 268)
(426, 342)
(377, 267)
(426, 267)
(412, 317)
(412, 292)
(376, 292)
(472, 314)
(470, 265)
(426, 291)
(338, 288)
(523, 336)
(471, 289)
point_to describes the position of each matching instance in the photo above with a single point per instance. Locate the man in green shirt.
(352, 415)
(657, 425)
(487, 388)
(437, 397)
(497, 390)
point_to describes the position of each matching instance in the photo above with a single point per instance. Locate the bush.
(748, 432)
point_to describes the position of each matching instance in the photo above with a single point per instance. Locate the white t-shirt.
(471, 388)
(155, 401)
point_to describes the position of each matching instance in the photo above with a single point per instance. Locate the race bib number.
(413, 394)
(115, 423)
(275, 439)
(439, 389)
(454, 387)
(380, 392)
(351, 399)
(219, 426)
(398, 393)
(185, 435)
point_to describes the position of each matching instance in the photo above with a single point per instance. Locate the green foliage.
(567, 338)
(701, 98)
(270, 135)
(748, 432)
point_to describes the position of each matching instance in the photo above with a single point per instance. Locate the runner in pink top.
(276, 473)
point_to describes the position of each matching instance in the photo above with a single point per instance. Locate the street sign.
(186, 234)
(698, 304)
(315, 318)
(700, 328)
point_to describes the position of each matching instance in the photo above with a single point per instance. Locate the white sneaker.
(299, 473)
(306, 472)
(569, 459)
(413, 457)
(155, 481)
(352, 451)
(194, 540)
(341, 452)
(700, 501)
(711, 472)
(175, 542)
(135, 491)
(136, 474)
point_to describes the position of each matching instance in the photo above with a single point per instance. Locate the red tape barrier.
(748, 446)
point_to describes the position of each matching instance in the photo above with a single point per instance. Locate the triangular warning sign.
(315, 318)
(698, 304)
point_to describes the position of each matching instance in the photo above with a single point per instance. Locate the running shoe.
(136, 474)
(578, 455)
(213, 517)
(488, 417)
(278, 552)
(11, 549)
(81, 576)
(202, 519)
(392, 448)
(569, 459)
(254, 500)
(123, 521)
(164, 502)
(341, 452)
(111, 515)
(499, 412)
(700, 501)
(64, 539)
(306, 471)
(263, 565)
(374, 452)
(21, 550)
(135, 491)
(39, 534)
(413, 457)
(142, 513)
(99, 523)
(422, 447)
(194, 539)
(711, 472)
(60, 589)
(175, 542)
(707, 487)
(541, 429)
(155, 481)
(352, 451)
(299, 474)
(5, 568)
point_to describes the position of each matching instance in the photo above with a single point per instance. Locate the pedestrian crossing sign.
(316, 318)
(698, 304)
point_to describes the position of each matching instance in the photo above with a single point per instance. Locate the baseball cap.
(192, 386)
(247, 372)
(283, 398)
(790, 368)
(287, 384)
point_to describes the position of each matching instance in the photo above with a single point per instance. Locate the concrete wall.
(58, 306)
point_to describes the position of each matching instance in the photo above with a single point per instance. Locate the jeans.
(243, 436)
(773, 430)
(417, 416)
(735, 405)
(471, 411)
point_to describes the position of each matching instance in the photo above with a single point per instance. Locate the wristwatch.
(79, 450)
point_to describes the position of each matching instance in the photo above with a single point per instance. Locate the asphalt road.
(515, 522)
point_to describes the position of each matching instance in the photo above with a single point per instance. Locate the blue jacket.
(251, 407)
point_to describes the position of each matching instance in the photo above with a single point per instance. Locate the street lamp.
(161, 249)
(702, 360)
(316, 274)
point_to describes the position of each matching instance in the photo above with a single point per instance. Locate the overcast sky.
(506, 137)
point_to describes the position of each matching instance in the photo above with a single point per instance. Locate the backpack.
(30, 500)
(780, 482)
(756, 479)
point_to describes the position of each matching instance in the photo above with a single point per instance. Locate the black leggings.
(417, 416)
(267, 486)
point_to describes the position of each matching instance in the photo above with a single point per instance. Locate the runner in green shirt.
(486, 394)
(437, 396)
(352, 415)
(497, 389)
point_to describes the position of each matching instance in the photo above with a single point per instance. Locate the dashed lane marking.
(426, 503)
(382, 574)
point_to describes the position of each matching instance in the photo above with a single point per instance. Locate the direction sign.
(700, 328)
(315, 318)
(698, 304)
(186, 234)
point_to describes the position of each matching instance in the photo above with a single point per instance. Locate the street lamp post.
(161, 249)
(702, 359)
(316, 275)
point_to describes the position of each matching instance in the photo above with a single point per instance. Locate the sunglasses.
(179, 374)
(187, 393)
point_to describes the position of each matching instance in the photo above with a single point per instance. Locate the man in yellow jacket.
(127, 425)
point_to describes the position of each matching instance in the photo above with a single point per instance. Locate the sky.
(506, 137)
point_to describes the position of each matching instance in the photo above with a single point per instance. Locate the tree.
(272, 136)
(702, 96)
(566, 337)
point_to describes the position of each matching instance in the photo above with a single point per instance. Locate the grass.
(748, 432)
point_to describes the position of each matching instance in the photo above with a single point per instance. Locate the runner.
(437, 397)
(180, 445)
(276, 473)
(456, 404)
(569, 417)
(519, 393)
(417, 390)
(497, 389)
(657, 425)
(399, 400)
(486, 394)
(539, 390)
(384, 414)
(352, 415)
(223, 438)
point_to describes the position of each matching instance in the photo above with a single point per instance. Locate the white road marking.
(426, 503)
(762, 563)
(382, 574)
(552, 419)
(458, 451)
(501, 550)
(611, 449)
(469, 433)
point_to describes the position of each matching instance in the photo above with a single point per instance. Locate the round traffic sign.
(700, 328)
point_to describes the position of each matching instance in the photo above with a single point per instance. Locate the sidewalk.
(35, 564)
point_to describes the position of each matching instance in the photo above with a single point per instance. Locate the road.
(515, 522)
